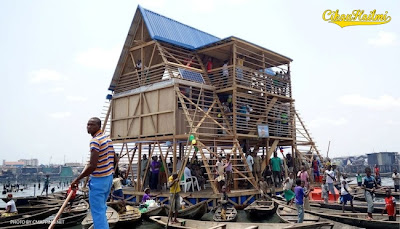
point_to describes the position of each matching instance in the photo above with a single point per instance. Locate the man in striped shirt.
(100, 169)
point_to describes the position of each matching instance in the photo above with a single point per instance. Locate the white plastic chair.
(195, 182)
(187, 183)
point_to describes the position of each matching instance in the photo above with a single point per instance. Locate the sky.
(58, 57)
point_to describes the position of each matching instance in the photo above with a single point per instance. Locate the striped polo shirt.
(103, 144)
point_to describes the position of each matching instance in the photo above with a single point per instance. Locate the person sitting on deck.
(390, 205)
(224, 202)
(324, 191)
(287, 189)
(146, 195)
(369, 185)
(117, 194)
(11, 209)
(345, 194)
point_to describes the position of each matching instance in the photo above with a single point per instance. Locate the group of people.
(154, 176)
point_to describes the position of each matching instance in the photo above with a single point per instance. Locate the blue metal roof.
(165, 29)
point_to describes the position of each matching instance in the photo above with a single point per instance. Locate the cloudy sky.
(57, 59)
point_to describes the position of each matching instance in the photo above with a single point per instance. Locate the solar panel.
(190, 75)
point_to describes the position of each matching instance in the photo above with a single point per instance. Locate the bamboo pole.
(53, 223)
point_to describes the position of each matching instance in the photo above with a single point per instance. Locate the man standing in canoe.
(369, 185)
(100, 169)
(174, 189)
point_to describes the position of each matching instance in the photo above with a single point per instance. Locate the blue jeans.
(99, 189)
(300, 212)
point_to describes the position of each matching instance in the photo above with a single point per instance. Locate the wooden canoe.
(157, 211)
(289, 215)
(129, 215)
(46, 202)
(21, 201)
(35, 215)
(197, 224)
(359, 220)
(112, 217)
(193, 212)
(65, 221)
(231, 215)
(261, 208)
(76, 208)
(347, 207)
(378, 192)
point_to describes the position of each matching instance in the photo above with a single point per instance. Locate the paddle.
(53, 223)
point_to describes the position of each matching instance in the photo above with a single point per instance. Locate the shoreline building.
(174, 84)
(387, 161)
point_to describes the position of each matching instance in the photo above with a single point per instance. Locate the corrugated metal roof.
(168, 30)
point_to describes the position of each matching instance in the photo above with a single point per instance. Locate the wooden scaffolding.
(164, 93)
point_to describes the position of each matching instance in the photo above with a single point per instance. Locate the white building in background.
(21, 163)
(30, 162)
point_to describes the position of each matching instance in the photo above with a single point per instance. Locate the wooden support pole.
(139, 182)
(270, 151)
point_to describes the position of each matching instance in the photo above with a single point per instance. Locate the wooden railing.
(249, 78)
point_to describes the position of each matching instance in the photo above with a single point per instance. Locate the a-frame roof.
(165, 29)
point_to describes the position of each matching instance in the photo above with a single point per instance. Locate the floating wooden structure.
(174, 83)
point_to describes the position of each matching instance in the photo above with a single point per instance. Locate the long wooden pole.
(327, 152)
(53, 223)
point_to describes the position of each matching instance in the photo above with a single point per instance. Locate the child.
(369, 186)
(300, 194)
(390, 207)
(73, 195)
(359, 178)
(263, 187)
(117, 186)
(324, 189)
(303, 175)
(287, 189)
(267, 174)
(224, 202)
(378, 180)
(345, 194)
